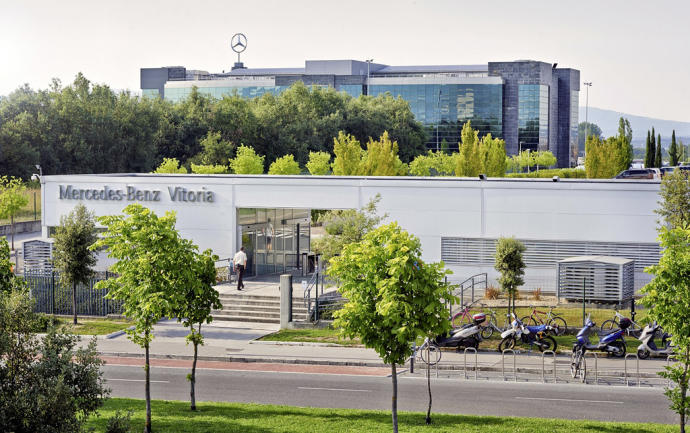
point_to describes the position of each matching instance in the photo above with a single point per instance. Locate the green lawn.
(175, 417)
(327, 335)
(91, 326)
(27, 212)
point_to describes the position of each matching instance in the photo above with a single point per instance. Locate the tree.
(152, 264)
(493, 156)
(196, 301)
(674, 207)
(649, 152)
(545, 158)
(216, 150)
(509, 263)
(344, 227)
(348, 155)
(657, 155)
(246, 161)
(381, 158)
(170, 166)
(12, 199)
(652, 157)
(8, 280)
(605, 158)
(673, 153)
(72, 256)
(46, 384)
(209, 169)
(387, 286)
(319, 163)
(468, 162)
(589, 129)
(433, 164)
(625, 143)
(667, 298)
(285, 165)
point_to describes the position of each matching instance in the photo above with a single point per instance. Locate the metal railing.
(625, 368)
(476, 362)
(503, 364)
(471, 284)
(543, 367)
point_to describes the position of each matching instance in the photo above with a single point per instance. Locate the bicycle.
(578, 364)
(634, 330)
(552, 319)
(492, 325)
(432, 356)
(463, 316)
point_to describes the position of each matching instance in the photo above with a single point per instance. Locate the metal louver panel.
(546, 254)
(600, 281)
(38, 255)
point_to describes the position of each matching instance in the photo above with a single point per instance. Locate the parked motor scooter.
(648, 347)
(532, 335)
(469, 335)
(611, 342)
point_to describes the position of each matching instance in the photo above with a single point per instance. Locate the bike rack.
(543, 359)
(625, 368)
(596, 366)
(476, 363)
(503, 364)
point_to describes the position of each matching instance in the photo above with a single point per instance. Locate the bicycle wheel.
(559, 325)
(529, 321)
(578, 366)
(488, 329)
(460, 319)
(609, 325)
(506, 343)
(547, 342)
(431, 356)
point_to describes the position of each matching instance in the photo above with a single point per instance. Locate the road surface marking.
(568, 399)
(334, 389)
(139, 380)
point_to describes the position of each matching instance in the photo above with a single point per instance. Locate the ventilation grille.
(599, 281)
(546, 254)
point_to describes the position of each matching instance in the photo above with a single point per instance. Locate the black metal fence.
(52, 297)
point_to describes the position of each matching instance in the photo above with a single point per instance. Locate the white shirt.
(240, 258)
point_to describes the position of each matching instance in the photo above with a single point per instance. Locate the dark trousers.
(240, 274)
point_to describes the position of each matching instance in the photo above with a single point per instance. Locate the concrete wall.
(21, 227)
(430, 208)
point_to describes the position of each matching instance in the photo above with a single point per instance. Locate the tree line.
(89, 128)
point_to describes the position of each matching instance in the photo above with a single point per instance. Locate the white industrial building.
(456, 219)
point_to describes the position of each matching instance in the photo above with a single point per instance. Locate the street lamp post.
(368, 66)
(588, 84)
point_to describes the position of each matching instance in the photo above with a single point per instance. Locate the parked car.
(684, 167)
(640, 173)
(667, 170)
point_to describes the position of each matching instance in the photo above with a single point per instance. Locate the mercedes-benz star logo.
(238, 43)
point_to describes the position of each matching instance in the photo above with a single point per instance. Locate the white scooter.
(648, 347)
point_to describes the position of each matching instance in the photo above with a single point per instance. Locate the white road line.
(334, 389)
(139, 380)
(568, 399)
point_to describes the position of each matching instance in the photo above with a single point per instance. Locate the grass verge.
(175, 417)
(91, 326)
(325, 335)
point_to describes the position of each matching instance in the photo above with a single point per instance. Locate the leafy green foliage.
(246, 161)
(344, 227)
(469, 162)
(433, 163)
(492, 153)
(46, 384)
(675, 199)
(170, 166)
(565, 173)
(216, 151)
(319, 163)
(12, 199)
(657, 154)
(673, 152)
(667, 297)
(587, 129)
(381, 158)
(120, 422)
(509, 263)
(348, 155)
(209, 169)
(393, 296)
(285, 165)
(8, 280)
(72, 256)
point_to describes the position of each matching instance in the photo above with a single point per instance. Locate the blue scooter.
(611, 342)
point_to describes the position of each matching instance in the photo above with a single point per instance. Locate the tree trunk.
(394, 405)
(74, 303)
(147, 368)
(428, 383)
(684, 391)
(192, 379)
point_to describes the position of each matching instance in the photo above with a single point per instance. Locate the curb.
(301, 343)
(118, 333)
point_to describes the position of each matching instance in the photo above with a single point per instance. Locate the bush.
(44, 322)
(565, 173)
(119, 423)
(492, 293)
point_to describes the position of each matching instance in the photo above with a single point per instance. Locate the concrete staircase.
(256, 308)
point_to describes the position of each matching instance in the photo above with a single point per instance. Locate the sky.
(634, 52)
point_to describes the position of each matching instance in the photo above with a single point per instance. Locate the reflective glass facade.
(533, 117)
(574, 118)
(274, 238)
(177, 94)
(354, 90)
(449, 106)
(150, 93)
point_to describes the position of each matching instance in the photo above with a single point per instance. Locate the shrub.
(565, 173)
(119, 423)
(492, 293)
(536, 294)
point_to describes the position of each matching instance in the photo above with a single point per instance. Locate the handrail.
(470, 284)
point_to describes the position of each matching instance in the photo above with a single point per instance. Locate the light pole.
(368, 65)
(588, 84)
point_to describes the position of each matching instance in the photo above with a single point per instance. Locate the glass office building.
(530, 104)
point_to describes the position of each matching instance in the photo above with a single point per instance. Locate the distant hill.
(608, 122)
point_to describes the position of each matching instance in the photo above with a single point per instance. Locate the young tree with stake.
(72, 256)
(393, 296)
(510, 264)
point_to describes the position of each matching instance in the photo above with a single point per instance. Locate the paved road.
(353, 390)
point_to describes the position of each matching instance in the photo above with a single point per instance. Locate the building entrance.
(274, 239)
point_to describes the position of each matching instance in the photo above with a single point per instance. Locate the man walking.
(240, 261)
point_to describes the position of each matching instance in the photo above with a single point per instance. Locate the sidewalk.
(236, 342)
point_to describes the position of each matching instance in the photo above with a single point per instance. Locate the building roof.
(432, 68)
(598, 259)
